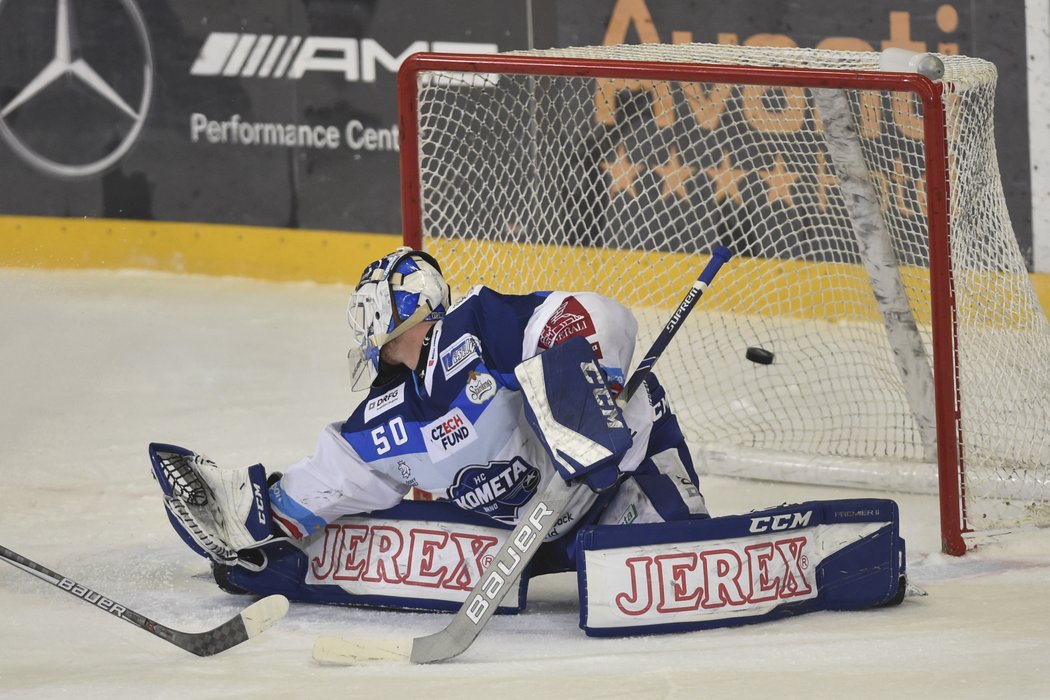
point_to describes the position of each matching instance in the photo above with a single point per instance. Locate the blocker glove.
(569, 405)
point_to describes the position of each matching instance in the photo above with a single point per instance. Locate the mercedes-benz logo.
(75, 87)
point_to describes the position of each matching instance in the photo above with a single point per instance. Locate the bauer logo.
(384, 402)
(497, 489)
(508, 565)
(448, 434)
(93, 597)
(243, 55)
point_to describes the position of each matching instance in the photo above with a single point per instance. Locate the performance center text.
(234, 131)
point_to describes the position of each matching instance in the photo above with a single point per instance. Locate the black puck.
(760, 356)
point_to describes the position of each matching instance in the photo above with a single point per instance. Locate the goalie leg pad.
(418, 555)
(739, 569)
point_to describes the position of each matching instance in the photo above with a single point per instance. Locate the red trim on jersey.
(289, 526)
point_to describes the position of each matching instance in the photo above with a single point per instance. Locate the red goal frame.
(930, 94)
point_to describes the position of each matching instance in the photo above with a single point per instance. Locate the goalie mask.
(395, 293)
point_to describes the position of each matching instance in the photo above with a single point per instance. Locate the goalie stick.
(522, 543)
(250, 622)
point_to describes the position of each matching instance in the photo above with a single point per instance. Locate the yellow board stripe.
(657, 279)
(829, 291)
(210, 249)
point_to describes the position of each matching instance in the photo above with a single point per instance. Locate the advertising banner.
(994, 31)
(282, 113)
(252, 112)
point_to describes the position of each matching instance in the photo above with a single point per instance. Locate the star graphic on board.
(779, 182)
(724, 178)
(622, 173)
(825, 181)
(904, 185)
(676, 176)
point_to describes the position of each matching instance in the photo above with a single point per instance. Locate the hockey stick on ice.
(252, 621)
(522, 543)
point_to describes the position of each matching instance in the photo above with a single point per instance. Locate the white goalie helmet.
(395, 293)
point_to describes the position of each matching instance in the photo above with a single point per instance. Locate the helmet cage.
(395, 293)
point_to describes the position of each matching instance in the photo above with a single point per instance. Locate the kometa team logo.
(496, 489)
(84, 73)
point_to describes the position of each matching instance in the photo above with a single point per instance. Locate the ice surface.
(95, 365)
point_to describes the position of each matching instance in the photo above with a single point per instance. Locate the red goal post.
(479, 132)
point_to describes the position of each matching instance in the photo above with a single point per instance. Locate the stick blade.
(250, 622)
(440, 646)
(342, 651)
(262, 614)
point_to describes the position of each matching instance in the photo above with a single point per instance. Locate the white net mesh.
(531, 181)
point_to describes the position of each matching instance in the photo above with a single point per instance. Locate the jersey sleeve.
(611, 329)
(332, 482)
(609, 326)
(500, 321)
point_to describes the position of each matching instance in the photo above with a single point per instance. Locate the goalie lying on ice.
(481, 404)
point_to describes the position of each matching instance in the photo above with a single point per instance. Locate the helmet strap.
(417, 317)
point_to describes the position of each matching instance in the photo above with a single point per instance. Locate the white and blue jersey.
(455, 427)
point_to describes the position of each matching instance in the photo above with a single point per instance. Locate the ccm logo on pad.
(784, 521)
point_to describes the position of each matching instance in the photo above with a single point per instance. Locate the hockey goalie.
(482, 404)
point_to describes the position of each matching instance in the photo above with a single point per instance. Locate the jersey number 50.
(396, 428)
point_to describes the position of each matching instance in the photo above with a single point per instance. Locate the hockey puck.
(759, 355)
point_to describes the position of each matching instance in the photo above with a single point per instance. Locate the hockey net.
(874, 254)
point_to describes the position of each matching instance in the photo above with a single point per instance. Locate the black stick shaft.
(76, 589)
(226, 635)
(719, 257)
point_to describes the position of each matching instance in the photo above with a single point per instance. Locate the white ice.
(95, 365)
